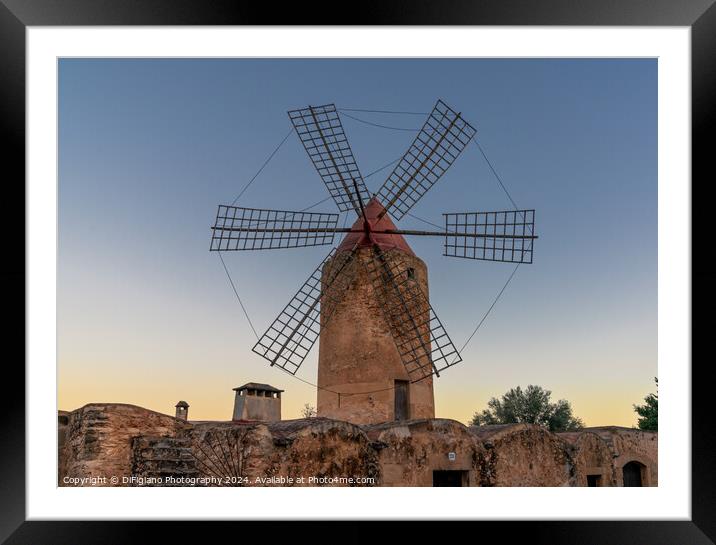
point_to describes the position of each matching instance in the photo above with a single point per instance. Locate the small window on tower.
(411, 273)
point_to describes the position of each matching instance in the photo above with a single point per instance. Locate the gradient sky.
(148, 148)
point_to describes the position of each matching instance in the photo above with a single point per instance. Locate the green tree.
(649, 412)
(531, 405)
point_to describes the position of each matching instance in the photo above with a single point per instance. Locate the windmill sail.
(321, 132)
(441, 139)
(237, 228)
(506, 236)
(424, 346)
(290, 337)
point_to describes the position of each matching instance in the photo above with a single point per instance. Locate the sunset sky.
(148, 148)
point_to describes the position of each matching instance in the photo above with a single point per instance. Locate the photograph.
(413, 264)
(357, 272)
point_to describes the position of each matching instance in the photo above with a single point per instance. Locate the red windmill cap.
(385, 241)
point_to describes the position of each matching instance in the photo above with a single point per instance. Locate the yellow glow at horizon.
(211, 396)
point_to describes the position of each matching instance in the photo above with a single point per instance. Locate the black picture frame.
(16, 15)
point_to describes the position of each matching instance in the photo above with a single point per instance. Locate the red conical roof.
(384, 241)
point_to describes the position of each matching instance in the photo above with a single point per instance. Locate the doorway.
(632, 473)
(450, 477)
(594, 480)
(401, 400)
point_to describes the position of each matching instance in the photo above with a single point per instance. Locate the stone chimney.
(254, 401)
(182, 410)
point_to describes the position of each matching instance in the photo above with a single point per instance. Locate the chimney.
(182, 410)
(255, 401)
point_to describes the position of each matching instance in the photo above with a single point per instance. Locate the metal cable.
(262, 167)
(497, 176)
(237, 295)
(425, 221)
(380, 111)
(365, 177)
(489, 309)
(316, 204)
(379, 125)
(502, 185)
(384, 167)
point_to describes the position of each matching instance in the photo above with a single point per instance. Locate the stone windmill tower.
(380, 339)
(357, 353)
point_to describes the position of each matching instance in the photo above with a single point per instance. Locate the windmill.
(373, 256)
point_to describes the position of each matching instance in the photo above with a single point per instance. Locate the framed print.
(429, 264)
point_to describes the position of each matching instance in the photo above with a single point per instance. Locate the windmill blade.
(424, 346)
(290, 337)
(443, 136)
(321, 133)
(506, 236)
(237, 228)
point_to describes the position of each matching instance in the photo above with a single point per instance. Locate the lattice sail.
(441, 139)
(506, 236)
(289, 339)
(239, 228)
(321, 132)
(424, 346)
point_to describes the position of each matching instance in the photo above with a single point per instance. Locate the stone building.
(428, 452)
(593, 459)
(143, 447)
(357, 352)
(525, 455)
(634, 455)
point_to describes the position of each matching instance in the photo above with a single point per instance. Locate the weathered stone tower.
(357, 352)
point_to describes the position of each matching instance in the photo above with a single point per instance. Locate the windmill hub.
(375, 229)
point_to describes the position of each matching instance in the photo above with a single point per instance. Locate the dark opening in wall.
(633, 474)
(594, 480)
(451, 477)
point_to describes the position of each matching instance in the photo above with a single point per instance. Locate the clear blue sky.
(148, 148)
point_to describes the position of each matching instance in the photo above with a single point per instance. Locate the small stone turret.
(182, 410)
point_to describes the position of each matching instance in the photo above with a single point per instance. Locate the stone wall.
(525, 455)
(63, 419)
(410, 451)
(168, 460)
(98, 439)
(303, 452)
(104, 440)
(592, 457)
(631, 445)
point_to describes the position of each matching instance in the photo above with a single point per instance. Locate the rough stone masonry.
(357, 354)
(140, 447)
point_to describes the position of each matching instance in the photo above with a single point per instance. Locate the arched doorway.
(632, 473)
